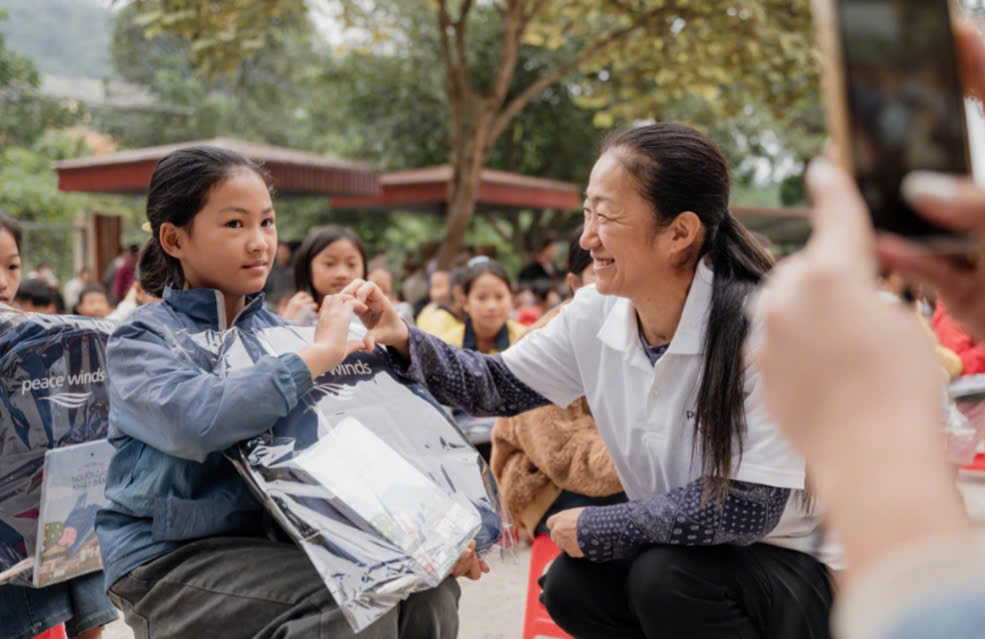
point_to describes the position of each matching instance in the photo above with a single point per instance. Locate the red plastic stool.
(537, 623)
(58, 632)
(977, 464)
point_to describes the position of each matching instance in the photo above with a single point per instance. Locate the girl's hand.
(379, 316)
(299, 304)
(332, 344)
(470, 564)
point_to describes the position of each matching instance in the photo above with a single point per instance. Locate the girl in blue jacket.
(186, 547)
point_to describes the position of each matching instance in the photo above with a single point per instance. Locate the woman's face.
(489, 304)
(334, 267)
(620, 231)
(10, 267)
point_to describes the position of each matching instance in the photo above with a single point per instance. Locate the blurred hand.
(841, 367)
(853, 382)
(299, 304)
(379, 316)
(954, 202)
(470, 564)
(564, 531)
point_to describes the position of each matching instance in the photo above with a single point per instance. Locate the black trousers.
(699, 592)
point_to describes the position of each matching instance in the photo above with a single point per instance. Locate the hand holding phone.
(895, 105)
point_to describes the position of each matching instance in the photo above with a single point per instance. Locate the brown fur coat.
(543, 451)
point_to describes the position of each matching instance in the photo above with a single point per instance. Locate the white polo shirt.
(646, 413)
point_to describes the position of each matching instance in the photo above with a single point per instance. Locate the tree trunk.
(463, 190)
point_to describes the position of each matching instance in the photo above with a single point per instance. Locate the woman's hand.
(379, 316)
(564, 531)
(954, 202)
(470, 564)
(332, 344)
(300, 304)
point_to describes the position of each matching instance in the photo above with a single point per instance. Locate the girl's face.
(94, 304)
(334, 267)
(489, 304)
(10, 267)
(231, 242)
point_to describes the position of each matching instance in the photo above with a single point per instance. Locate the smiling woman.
(716, 539)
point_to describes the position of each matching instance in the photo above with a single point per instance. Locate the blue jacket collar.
(471, 343)
(207, 305)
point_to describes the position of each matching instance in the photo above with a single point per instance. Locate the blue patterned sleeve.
(681, 517)
(479, 384)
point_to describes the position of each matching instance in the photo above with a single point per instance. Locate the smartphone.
(894, 104)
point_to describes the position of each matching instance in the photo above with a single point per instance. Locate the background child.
(329, 258)
(488, 305)
(78, 603)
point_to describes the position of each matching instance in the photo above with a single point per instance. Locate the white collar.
(620, 330)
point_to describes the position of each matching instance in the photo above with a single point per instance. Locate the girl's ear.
(172, 240)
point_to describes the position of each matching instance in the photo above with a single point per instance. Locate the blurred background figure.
(329, 258)
(75, 285)
(93, 302)
(124, 275)
(280, 281)
(35, 296)
(384, 279)
(542, 269)
(445, 313)
(488, 304)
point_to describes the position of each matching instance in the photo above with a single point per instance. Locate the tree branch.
(546, 80)
(530, 15)
(513, 25)
(463, 62)
(453, 80)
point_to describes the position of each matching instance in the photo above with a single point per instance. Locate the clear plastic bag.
(966, 418)
(367, 475)
(52, 394)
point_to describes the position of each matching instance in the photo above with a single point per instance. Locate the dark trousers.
(245, 588)
(698, 592)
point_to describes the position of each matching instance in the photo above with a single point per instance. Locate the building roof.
(293, 173)
(784, 226)
(427, 188)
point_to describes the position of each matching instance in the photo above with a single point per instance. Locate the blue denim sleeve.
(167, 402)
(681, 517)
(479, 384)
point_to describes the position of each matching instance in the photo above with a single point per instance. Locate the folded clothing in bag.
(52, 394)
(369, 476)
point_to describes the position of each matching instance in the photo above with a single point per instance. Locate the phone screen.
(905, 100)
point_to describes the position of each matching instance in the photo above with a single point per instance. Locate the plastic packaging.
(966, 418)
(368, 475)
(52, 395)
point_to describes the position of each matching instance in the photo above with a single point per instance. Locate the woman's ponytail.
(739, 263)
